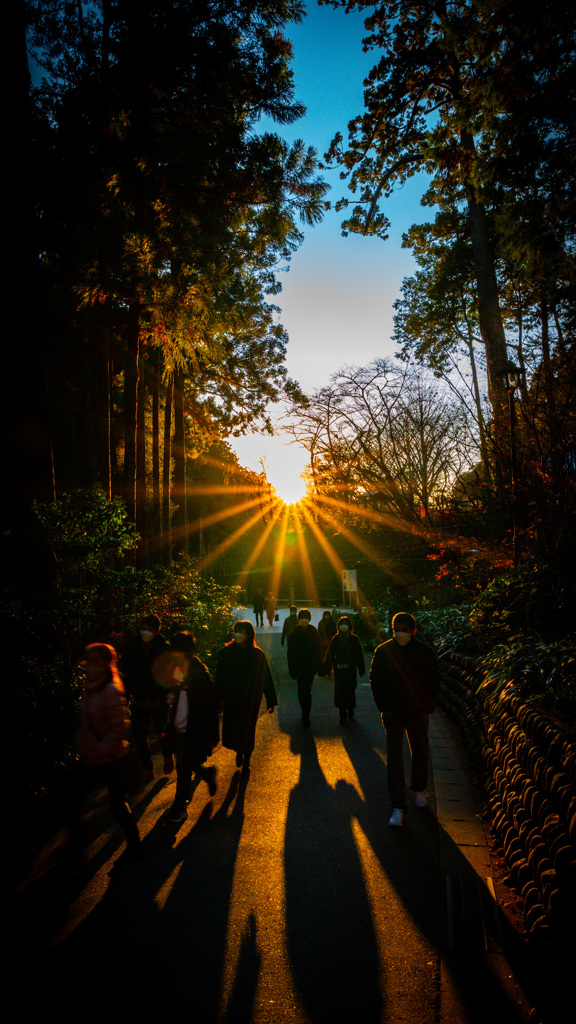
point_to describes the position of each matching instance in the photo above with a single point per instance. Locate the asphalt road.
(284, 898)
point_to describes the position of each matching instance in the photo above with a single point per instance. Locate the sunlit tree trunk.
(179, 479)
(130, 408)
(166, 466)
(141, 510)
(155, 523)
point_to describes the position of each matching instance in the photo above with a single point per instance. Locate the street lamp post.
(512, 378)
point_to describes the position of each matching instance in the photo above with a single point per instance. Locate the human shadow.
(155, 941)
(447, 902)
(329, 931)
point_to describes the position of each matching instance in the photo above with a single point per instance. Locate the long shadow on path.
(329, 931)
(155, 942)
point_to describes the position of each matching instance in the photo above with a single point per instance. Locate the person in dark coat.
(258, 605)
(147, 696)
(193, 728)
(242, 677)
(345, 656)
(290, 623)
(326, 630)
(304, 660)
(405, 682)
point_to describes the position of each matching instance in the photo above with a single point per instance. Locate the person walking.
(326, 630)
(345, 655)
(270, 608)
(242, 677)
(193, 727)
(304, 660)
(405, 682)
(290, 623)
(258, 605)
(103, 749)
(147, 696)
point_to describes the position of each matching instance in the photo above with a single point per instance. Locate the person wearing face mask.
(405, 682)
(147, 696)
(103, 749)
(346, 657)
(242, 677)
(304, 660)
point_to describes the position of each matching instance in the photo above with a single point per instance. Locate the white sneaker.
(420, 800)
(397, 819)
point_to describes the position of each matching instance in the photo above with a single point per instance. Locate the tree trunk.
(166, 466)
(102, 401)
(141, 511)
(130, 408)
(491, 326)
(155, 523)
(179, 481)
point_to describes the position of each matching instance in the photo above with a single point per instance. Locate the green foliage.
(539, 672)
(445, 628)
(537, 597)
(94, 598)
(85, 529)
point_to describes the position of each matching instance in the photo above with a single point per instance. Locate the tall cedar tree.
(164, 215)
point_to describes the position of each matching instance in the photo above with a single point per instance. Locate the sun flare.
(286, 474)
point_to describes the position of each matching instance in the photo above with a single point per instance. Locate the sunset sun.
(286, 474)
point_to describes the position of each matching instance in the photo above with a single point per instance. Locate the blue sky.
(337, 298)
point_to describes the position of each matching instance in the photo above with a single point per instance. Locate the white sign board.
(349, 580)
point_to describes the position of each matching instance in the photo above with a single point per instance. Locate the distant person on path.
(326, 630)
(304, 660)
(270, 608)
(104, 752)
(346, 657)
(405, 682)
(290, 623)
(258, 605)
(193, 728)
(242, 677)
(147, 696)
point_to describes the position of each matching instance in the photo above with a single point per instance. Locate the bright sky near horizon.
(337, 298)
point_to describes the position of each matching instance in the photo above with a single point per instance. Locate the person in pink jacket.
(103, 747)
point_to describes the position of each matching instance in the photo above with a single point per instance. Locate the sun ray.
(228, 541)
(305, 560)
(216, 517)
(357, 541)
(276, 513)
(332, 555)
(350, 535)
(279, 551)
(382, 518)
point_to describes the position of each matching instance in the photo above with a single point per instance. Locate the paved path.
(284, 899)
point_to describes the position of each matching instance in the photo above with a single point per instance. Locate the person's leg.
(394, 760)
(305, 696)
(140, 719)
(417, 732)
(159, 716)
(184, 773)
(82, 781)
(115, 775)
